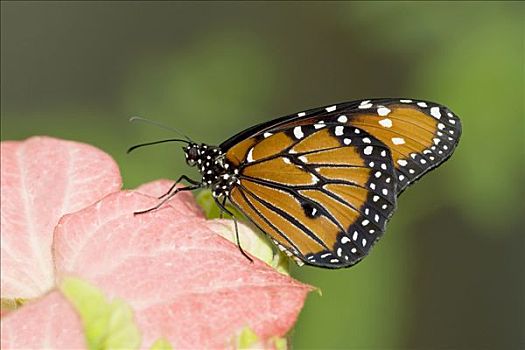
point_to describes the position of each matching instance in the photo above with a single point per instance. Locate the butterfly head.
(201, 155)
(211, 164)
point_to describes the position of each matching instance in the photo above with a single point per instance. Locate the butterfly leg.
(177, 190)
(224, 209)
(221, 214)
(183, 177)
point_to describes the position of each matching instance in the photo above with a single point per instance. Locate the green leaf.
(211, 210)
(280, 343)
(107, 325)
(247, 338)
(161, 344)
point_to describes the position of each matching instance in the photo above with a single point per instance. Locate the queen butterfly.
(323, 183)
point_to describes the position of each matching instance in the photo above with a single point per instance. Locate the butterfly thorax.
(216, 171)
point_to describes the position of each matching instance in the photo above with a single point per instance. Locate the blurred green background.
(449, 271)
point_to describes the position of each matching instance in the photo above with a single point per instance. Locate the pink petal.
(49, 323)
(41, 179)
(182, 201)
(185, 282)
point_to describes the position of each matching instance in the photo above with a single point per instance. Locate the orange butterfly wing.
(323, 183)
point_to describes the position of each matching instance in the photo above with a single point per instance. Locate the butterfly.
(323, 183)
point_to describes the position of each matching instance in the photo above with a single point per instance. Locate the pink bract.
(51, 323)
(42, 179)
(184, 282)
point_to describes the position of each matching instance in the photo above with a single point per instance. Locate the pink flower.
(63, 214)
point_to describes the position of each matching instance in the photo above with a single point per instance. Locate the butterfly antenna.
(155, 142)
(160, 125)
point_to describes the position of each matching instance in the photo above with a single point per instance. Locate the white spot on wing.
(365, 104)
(319, 125)
(267, 134)
(250, 156)
(405, 101)
(435, 112)
(402, 162)
(331, 109)
(302, 114)
(368, 150)
(422, 104)
(339, 130)
(342, 119)
(387, 123)
(398, 140)
(298, 132)
(383, 111)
